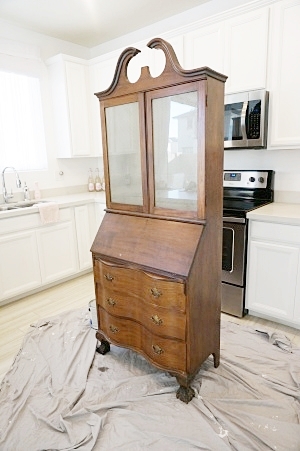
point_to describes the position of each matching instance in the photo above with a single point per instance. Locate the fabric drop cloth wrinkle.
(62, 395)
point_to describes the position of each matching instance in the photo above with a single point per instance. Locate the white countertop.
(282, 213)
(67, 200)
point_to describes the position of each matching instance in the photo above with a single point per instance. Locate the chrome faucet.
(4, 190)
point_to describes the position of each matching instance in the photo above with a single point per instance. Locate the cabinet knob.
(157, 349)
(108, 277)
(155, 292)
(113, 329)
(157, 320)
(111, 302)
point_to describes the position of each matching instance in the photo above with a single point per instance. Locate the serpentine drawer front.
(165, 352)
(143, 300)
(153, 289)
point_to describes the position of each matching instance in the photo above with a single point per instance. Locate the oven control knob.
(252, 179)
(261, 179)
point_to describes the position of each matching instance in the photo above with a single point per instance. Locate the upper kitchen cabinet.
(284, 75)
(101, 72)
(246, 50)
(70, 88)
(205, 47)
(236, 47)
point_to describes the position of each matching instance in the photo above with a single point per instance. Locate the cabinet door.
(84, 233)
(57, 251)
(205, 47)
(284, 75)
(99, 213)
(100, 75)
(19, 264)
(77, 85)
(272, 278)
(124, 152)
(246, 45)
(70, 87)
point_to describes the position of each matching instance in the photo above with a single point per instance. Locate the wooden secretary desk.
(157, 254)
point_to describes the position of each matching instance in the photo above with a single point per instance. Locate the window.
(22, 135)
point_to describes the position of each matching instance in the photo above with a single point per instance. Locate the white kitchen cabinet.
(284, 75)
(19, 263)
(237, 47)
(57, 251)
(246, 51)
(34, 255)
(101, 73)
(99, 213)
(205, 47)
(85, 232)
(69, 80)
(57, 247)
(273, 271)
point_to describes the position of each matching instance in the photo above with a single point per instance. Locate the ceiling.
(90, 22)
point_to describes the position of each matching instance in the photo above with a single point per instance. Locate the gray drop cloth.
(61, 395)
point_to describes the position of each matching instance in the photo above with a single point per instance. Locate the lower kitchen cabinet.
(33, 255)
(85, 232)
(19, 264)
(273, 279)
(57, 251)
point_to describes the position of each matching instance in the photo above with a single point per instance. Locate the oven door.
(234, 252)
(233, 266)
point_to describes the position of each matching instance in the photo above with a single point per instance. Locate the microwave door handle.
(243, 120)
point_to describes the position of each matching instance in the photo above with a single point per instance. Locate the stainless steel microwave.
(246, 120)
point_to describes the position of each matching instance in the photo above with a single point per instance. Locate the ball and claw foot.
(185, 394)
(103, 348)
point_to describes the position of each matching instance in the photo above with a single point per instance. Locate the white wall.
(24, 48)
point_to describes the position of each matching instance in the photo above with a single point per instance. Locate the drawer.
(159, 291)
(164, 352)
(158, 320)
(269, 231)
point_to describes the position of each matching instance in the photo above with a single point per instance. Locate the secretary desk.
(157, 254)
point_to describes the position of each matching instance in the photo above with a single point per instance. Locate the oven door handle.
(236, 220)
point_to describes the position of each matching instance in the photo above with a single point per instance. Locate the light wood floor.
(16, 317)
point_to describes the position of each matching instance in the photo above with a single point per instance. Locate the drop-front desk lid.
(163, 246)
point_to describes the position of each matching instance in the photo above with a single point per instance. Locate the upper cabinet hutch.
(157, 254)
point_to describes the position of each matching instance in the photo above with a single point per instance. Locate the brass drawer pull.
(113, 329)
(155, 292)
(108, 277)
(157, 320)
(157, 349)
(111, 302)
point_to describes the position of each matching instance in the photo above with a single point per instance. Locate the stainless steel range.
(243, 191)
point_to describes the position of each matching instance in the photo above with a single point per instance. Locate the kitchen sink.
(18, 205)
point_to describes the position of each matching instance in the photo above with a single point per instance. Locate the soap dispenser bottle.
(26, 192)
(91, 185)
(98, 185)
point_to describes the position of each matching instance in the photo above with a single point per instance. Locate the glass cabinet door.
(175, 149)
(123, 153)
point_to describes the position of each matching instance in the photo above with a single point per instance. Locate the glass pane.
(233, 121)
(175, 151)
(124, 155)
